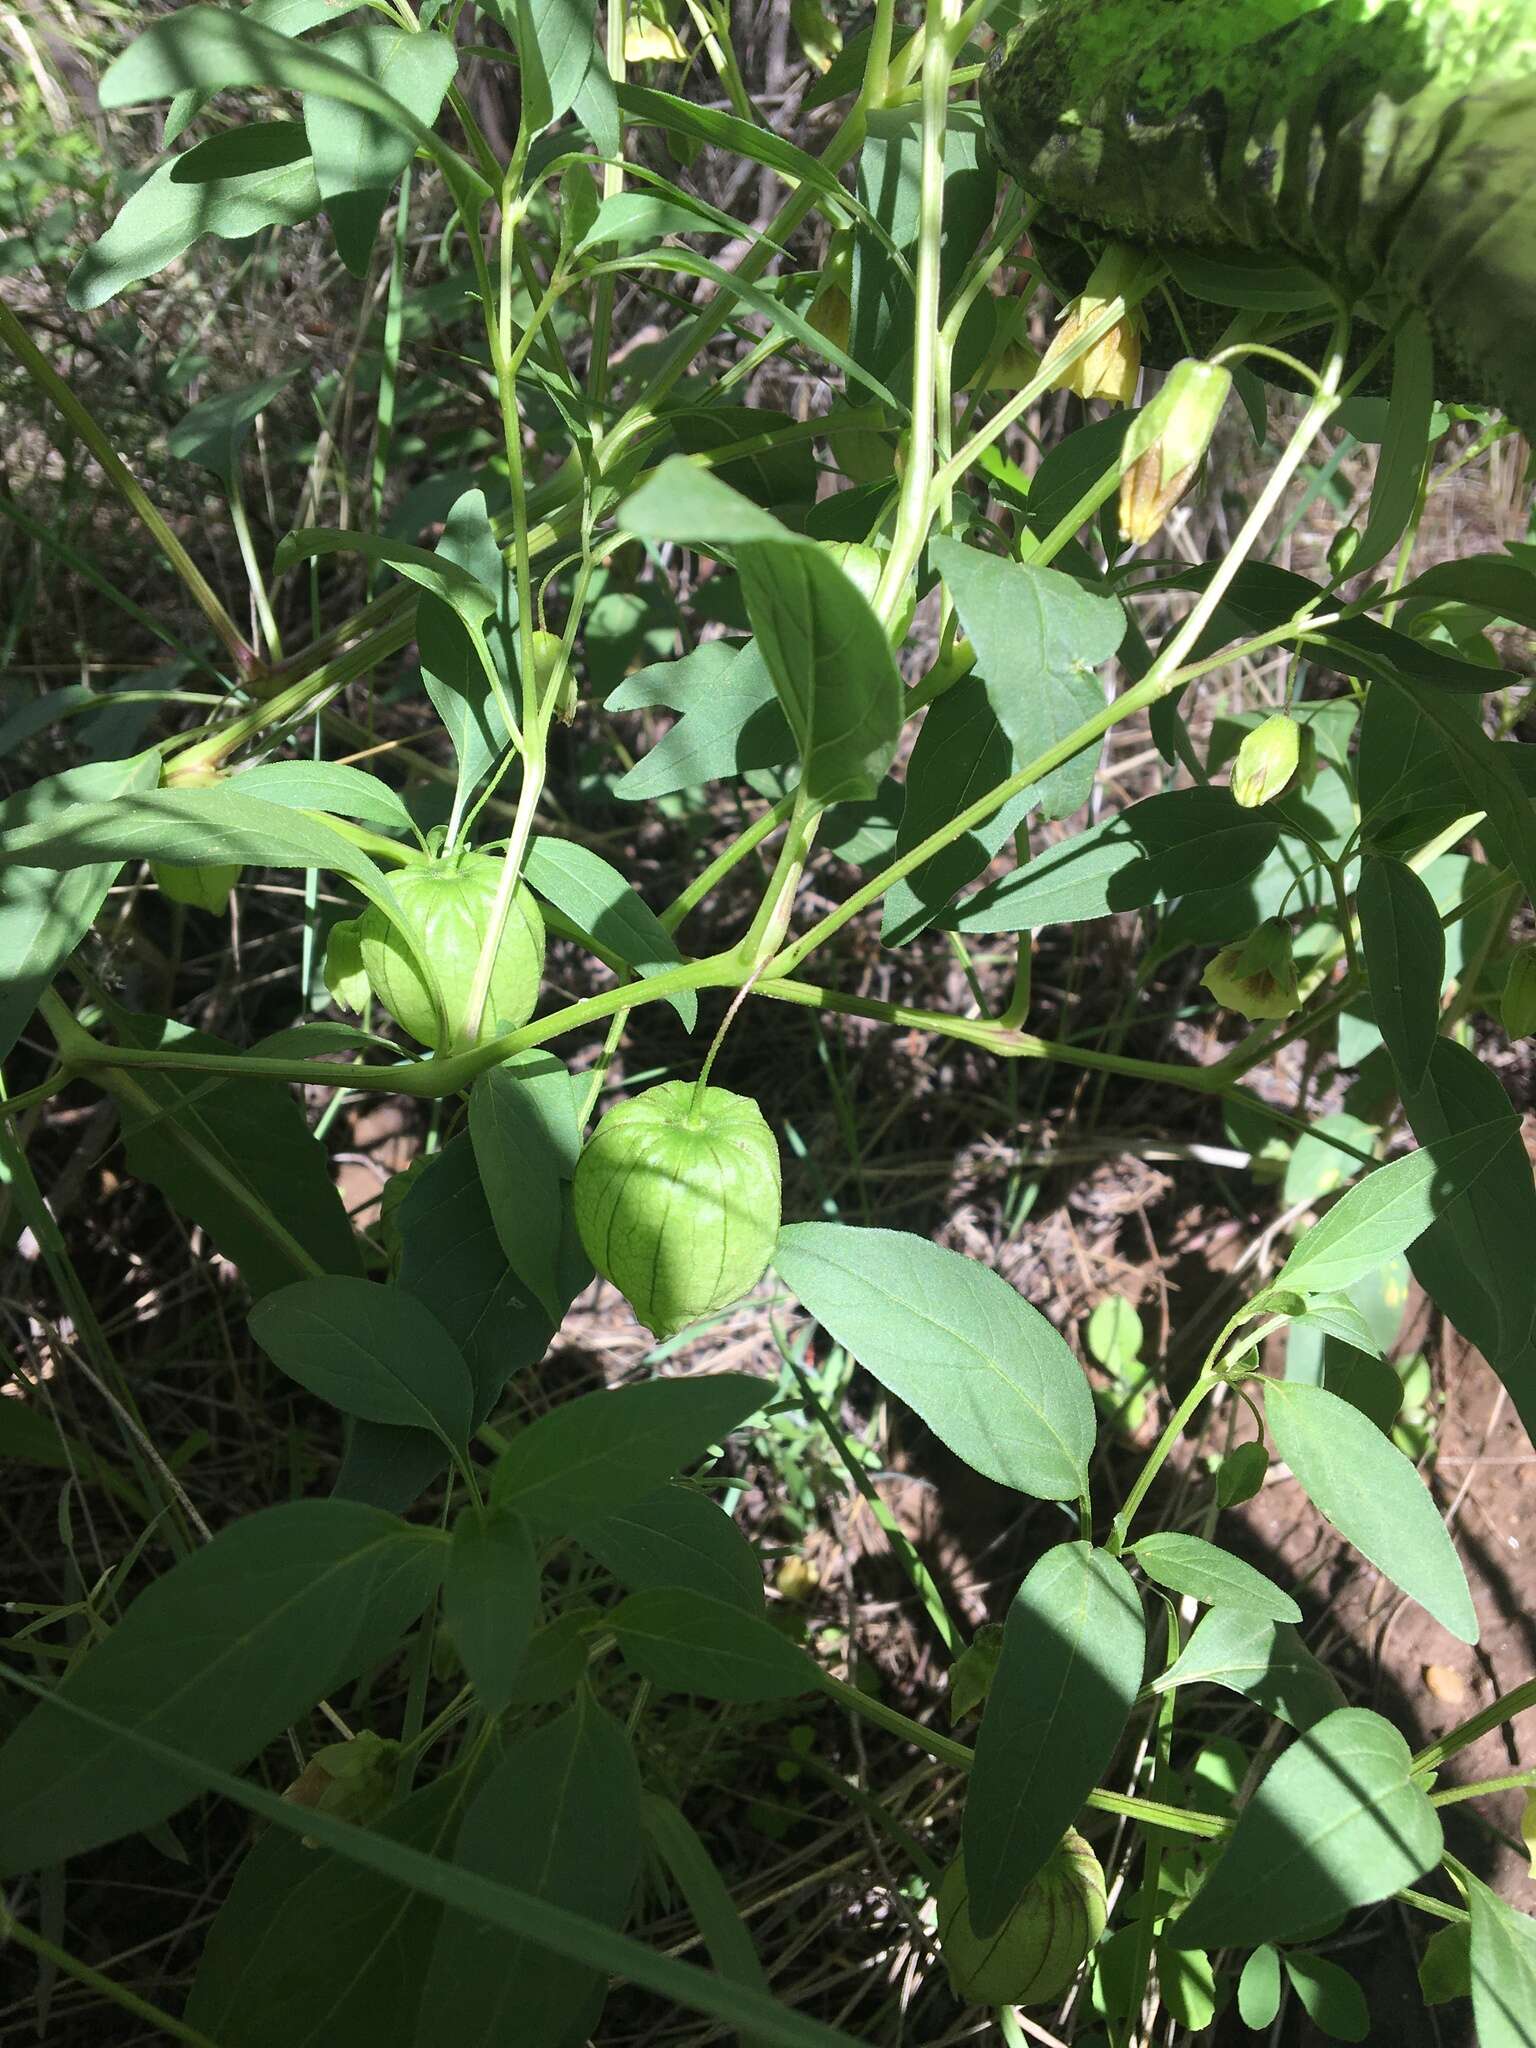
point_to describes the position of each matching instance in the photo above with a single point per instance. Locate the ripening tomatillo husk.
(447, 905)
(677, 1201)
(1034, 1955)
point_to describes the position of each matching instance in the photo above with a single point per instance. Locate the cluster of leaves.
(579, 1575)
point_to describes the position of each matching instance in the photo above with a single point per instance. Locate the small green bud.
(832, 308)
(1256, 976)
(1038, 1949)
(818, 35)
(198, 888)
(547, 649)
(1167, 442)
(1267, 761)
(447, 907)
(1517, 1008)
(1342, 550)
(677, 1202)
(862, 565)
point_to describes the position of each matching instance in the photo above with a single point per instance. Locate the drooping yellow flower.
(1256, 976)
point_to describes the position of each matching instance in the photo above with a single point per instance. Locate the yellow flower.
(1108, 369)
(1256, 976)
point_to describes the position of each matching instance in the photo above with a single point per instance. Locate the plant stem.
(127, 486)
(912, 512)
(1149, 1812)
(1503, 1709)
(1158, 1455)
(1517, 1781)
(12, 1929)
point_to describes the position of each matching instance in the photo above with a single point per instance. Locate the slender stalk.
(1178, 1422)
(1517, 1701)
(12, 1929)
(127, 486)
(913, 510)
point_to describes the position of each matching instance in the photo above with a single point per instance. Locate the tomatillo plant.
(824, 557)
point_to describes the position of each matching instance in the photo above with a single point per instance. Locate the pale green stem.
(1156, 1458)
(913, 513)
(127, 486)
(253, 575)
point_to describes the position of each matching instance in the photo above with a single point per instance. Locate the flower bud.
(832, 308)
(547, 648)
(1166, 442)
(351, 1781)
(1256, 976)
(1342, 550)
(1517, 1008)
(677, 1201)
(198, 888)
(1036, 1952)
(649, 38)
(863, 565)
(447, 907)
(818, 35)
(1267, 761)
(1110, 367)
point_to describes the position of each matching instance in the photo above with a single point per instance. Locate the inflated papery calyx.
(1034, 1955)
(677, 1201)
(448, 907)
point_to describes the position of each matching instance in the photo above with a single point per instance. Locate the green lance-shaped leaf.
(1404, 944)
(684, 1641)
(1179, 844)
(207, 49)
(326, 786)
(358, 153)
(237, 1157)
(599, 1452)
(601, 904)
(827, 652)
(259, 175)
(213, 432)
(1074, 1646)
(555, 51)
(559, 1818)
(688, 1862)
(1329, 1996)
(675, 1537)
(491, 1599)
(452, 669)
(1038, 636)
(451, 1260)
(1358, 1480)
(1474, 1261)
(1337, 1822)
(525, 1166)
(44, 915)
(310, 1949)
(984, 1370)
(1258, 1988)
(437, 574)
(1383, 1214)
(1264, 1661)
(960, 753)
(1188, 1564)
(1503, 1971)
(213, 1660)
(217, 827)
(371, 1351)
